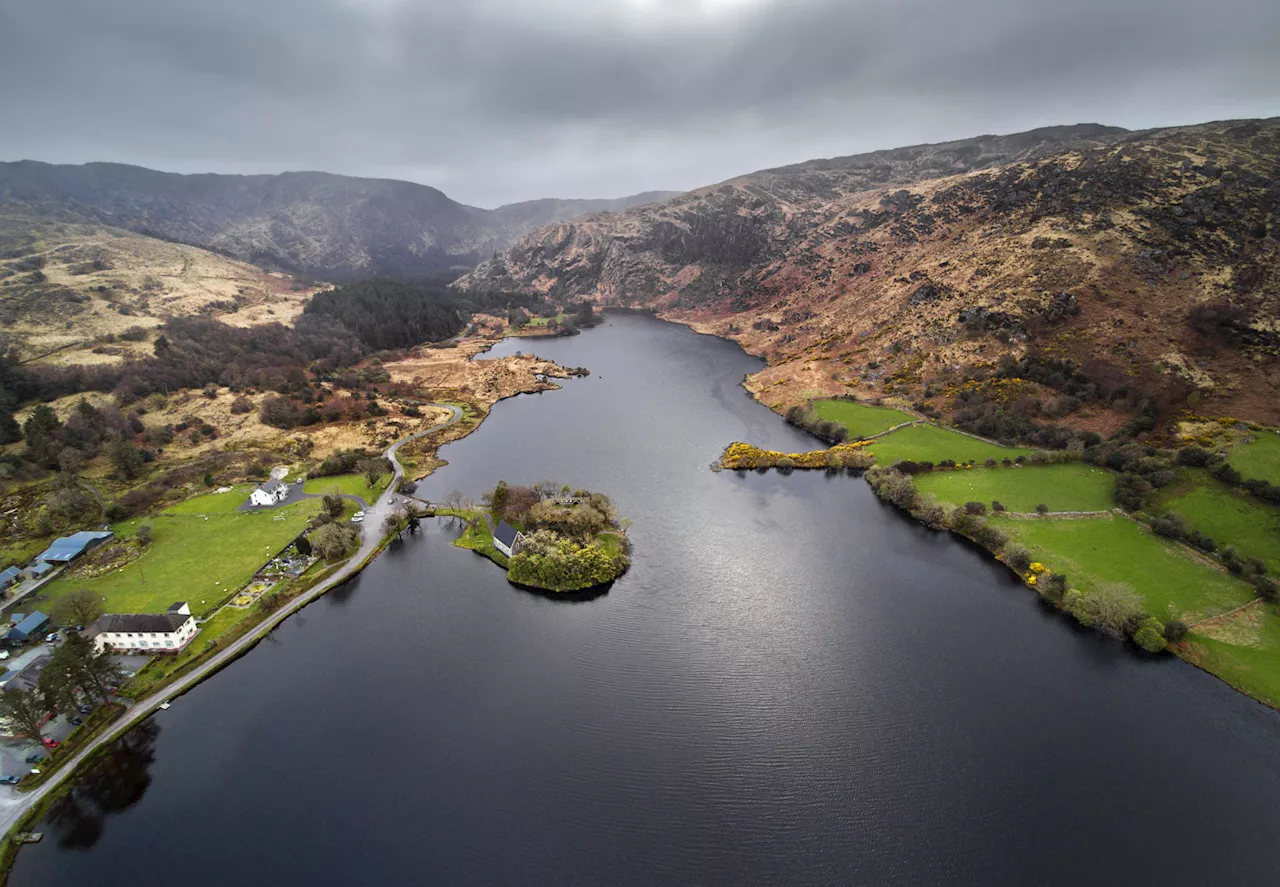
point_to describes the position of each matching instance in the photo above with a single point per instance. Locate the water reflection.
(113, 783)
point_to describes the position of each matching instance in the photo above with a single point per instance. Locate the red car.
(51, 743)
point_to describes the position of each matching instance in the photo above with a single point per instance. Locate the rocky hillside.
(326, 226)
(1078, 273)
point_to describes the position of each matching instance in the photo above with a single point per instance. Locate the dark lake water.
(792, 685)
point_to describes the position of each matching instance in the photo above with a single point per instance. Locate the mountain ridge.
(1150, 257)
(315, 223)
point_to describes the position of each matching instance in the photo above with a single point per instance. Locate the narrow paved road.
(13, 804)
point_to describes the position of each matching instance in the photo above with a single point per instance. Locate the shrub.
(1017, 557)
(143, 534)
(211, 391)
(1169, 526)
(278, 412)
(996, 505)
(1150, 635)
(1052, 587)
(1193, 457)
(1112, 607)
(1042, 508)
(241, 405)
(975, 507)
(990, 463)
(992, 538)
(1175, 630)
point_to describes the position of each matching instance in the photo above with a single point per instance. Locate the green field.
(1225, 515)
(477, 536)
(1069, 487)
(1259, 459)
(929, 443)
(1092, 551)
(193, 558)
(347, 484)
(860, 419)
(1245, 652)
(214, 503)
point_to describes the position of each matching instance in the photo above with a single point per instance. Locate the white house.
(270, 493)
(143, 632)
(507, 538)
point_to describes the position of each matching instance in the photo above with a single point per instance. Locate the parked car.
(9, 780)
(35, 758)
(51, 637)
(77, 721)
(357, 518)
(51, 743)
(85, 709)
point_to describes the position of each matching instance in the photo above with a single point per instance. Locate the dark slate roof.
(28, 678)
(176, 606)
(161, 623)
(506, 534)
(272, 485)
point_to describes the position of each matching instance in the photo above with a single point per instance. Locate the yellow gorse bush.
(745, 455)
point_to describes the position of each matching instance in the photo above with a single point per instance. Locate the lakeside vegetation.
(569, 540)
(1171, 549)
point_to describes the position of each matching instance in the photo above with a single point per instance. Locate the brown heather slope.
(69, 291)
(904, 272)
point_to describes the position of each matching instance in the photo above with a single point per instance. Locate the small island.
(547, 536)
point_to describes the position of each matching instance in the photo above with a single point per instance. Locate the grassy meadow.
(1258, 459)
(1172, 581)
(1226, 515)
(860, 419)
(198, 557)
(347, 484)
(933, 444)
(1073, 486)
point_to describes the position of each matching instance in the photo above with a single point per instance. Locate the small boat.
(164, 706)
(28, 837)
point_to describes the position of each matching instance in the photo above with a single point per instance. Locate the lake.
(793, 684)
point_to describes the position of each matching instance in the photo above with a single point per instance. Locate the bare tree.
(79, 607)
(1112, 605)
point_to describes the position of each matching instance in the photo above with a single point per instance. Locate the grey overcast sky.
(494, 101)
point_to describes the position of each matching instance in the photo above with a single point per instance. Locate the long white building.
(143, 632)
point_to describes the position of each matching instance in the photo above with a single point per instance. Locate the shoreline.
(17, 809)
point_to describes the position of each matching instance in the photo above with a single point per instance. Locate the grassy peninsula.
(546, 536)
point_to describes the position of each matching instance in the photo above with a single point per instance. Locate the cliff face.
(1149, 261)
(327, 226)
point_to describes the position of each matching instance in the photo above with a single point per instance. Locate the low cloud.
(500, 100)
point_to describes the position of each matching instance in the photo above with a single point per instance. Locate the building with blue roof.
(8, 576)
(40, 569)
(68, 548)
(28, 627)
